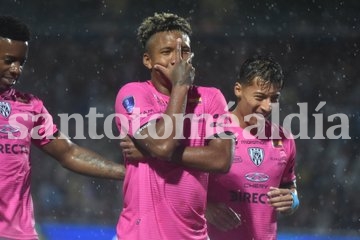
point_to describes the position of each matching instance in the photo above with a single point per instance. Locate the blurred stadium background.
(83, 51)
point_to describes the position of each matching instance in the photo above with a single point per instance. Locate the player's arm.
(284, 198)
(181, 76)
(82, 160)
(217, 154)
(215, 157)
(221, 216)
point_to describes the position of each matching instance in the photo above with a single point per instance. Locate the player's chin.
(254, 121)
(5, 87)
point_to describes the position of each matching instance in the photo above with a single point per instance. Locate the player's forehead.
(168, 38)
(260, 85)
(13, 47)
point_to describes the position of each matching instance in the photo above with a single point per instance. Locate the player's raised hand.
(222, 216)
(180, 71)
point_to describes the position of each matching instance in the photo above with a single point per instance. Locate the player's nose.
(266, 106)
(15, 68)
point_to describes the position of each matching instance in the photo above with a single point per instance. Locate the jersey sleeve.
(289, 172)
(134, 108)
(220, 116)
(44, 127)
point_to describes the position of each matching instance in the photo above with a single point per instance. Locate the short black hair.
(264, 67)
(161, 22)
(11, 27)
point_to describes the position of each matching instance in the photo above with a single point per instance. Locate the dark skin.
(13, 55)
(171, 75)
(168, 57)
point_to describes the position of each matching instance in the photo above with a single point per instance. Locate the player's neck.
(161, 87)
(6, 92)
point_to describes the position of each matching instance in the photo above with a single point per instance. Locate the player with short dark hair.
(160, 23)
(24, 120)
(165, 192)
(261, 180)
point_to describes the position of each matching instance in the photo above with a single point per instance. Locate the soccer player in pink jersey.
(24, 120)
(165, 192)
(243, 203)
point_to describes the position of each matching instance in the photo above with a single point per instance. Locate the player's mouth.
(264, 115)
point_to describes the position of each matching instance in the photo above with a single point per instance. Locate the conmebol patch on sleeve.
(129, 103)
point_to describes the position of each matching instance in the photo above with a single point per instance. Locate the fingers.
(179, 70)
(280, 199)
(161, 69)
(223, 217)
(190, 58)
(178, 55)
(274, 192)
(235, 216)
(126, 144)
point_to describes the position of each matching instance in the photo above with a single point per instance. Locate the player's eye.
(8, 61)
(258, 98)
(11, 60)
(275, 99)
(185, 50)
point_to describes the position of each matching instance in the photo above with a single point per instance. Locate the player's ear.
(238, 90)
(147, 60)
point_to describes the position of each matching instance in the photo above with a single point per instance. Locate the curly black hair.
(11, 27)
(161, 22)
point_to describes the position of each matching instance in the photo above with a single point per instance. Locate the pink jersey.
(258, 164)
(20, 125)
(163, 200)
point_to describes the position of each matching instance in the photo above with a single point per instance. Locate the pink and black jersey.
(23, 120)
(163, 200)
(257, 165)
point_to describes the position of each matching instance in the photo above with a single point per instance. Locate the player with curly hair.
(165, 192)
(24, 120)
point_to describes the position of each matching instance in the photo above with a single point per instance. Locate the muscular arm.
(180, 75)
(163, 148)
(82, 160)
(215, 157)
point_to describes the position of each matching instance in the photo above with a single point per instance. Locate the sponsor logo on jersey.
(5, 109)
(237, 159)
(281, 159)
(13, 149)
(256, 185)
(253, 142)
(256, 177)
(256, 155)
(248, 197)
(129, 103)
(8, 129)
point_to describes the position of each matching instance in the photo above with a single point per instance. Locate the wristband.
(296, 201)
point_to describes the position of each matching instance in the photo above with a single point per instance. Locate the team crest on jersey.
(256, 155)
(129, 103)
(5, 109)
